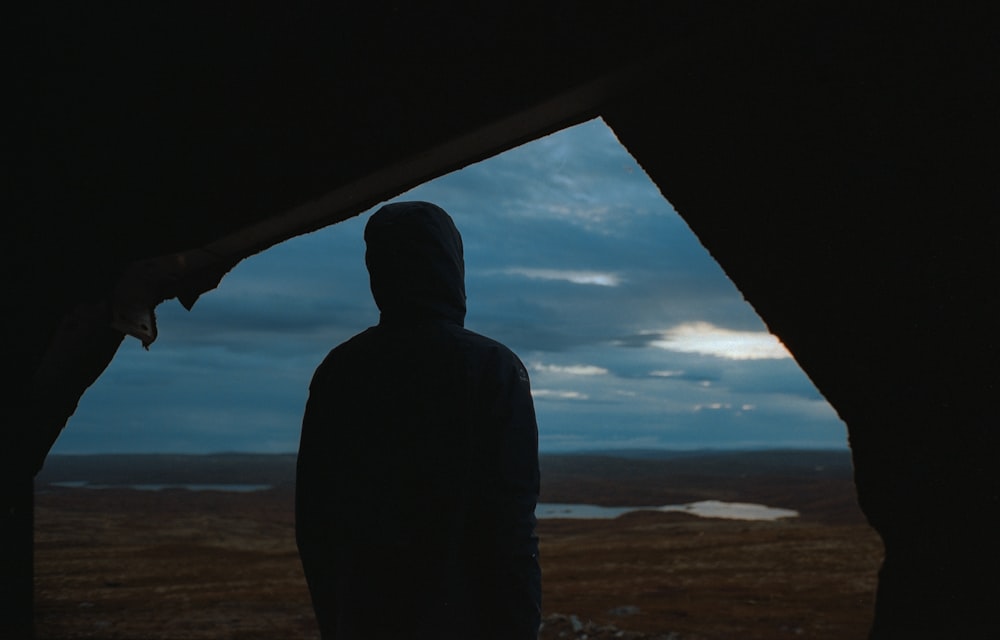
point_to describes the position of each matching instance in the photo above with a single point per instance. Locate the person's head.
(415, 261)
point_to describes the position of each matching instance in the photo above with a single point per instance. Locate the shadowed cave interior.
(838, 164)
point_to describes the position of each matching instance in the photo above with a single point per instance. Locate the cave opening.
(634, 336)
(635, 340)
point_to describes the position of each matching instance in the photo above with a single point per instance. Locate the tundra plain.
(125, 563)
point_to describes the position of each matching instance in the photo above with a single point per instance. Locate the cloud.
(597, 278)
(667, 373)
(573, 369)
(592, 217)
(713, 406)
(553, 394)
(705, 338)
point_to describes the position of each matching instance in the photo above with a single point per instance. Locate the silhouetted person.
(418, 463)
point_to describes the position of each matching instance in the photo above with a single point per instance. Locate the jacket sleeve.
(314, 533)
(514, 496)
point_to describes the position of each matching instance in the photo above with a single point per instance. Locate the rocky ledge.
(570, 627)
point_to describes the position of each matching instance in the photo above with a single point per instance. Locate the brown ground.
(122, 564)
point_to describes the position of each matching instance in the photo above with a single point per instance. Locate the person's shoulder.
(489, 349)
(478, 340)
(354, 343)
(347, 350)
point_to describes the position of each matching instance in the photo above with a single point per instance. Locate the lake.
(704, 509)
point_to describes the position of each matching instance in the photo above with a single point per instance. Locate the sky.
(633, 336)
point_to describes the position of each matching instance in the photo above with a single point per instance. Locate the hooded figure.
(418, 464)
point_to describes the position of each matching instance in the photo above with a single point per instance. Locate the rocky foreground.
(557, 625)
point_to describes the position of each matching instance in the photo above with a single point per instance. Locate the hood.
(415, 262)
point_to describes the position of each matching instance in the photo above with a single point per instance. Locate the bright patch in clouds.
(598, 278)
(719, 406)
(587, 215)
(713, 406)
(707, 339)
(554, 394)
(573, 369)
(666, 373)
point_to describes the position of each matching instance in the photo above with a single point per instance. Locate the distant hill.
(815, 483)
(167, 468)
(818, 484)
(729, 462)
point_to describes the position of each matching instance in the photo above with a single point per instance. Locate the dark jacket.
(418, 463)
